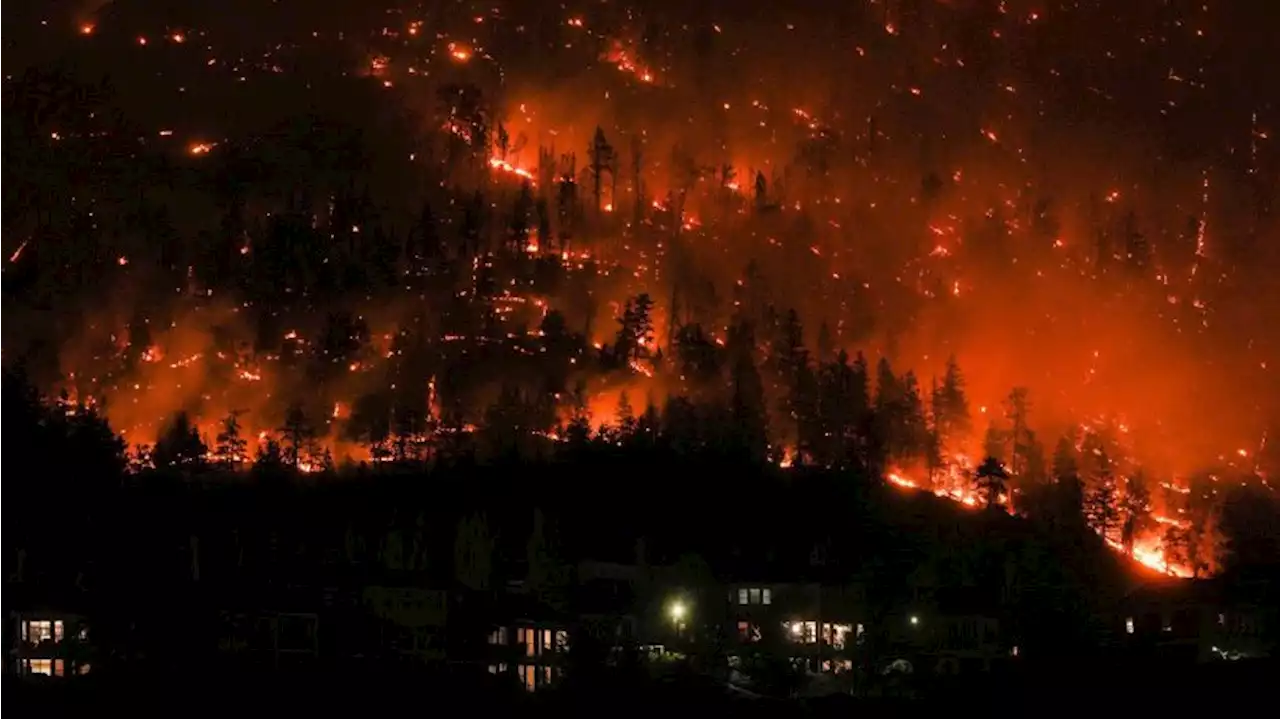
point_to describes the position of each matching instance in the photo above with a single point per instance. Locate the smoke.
(933, 197)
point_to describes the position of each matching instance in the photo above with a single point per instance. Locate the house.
(1200, 621)
(409, 622)
(819, 625)
(268, 627)
(49, 643)
(947, 631)
(527, 640)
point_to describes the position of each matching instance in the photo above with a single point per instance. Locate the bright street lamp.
(677, 611)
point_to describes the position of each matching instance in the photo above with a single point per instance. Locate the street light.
(914, 620)
(677, 611)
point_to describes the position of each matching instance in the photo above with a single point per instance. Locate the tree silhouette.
(1137, 509)
(520, 218)
(231, 449)
(179, 446)
(298, 437)
(626, 416)
(991, 479)
(473, 553)
(1102, 506)
(950, 405)
(603, 160)
(1017, 407)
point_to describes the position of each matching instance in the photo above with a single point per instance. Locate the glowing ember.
(459, 53)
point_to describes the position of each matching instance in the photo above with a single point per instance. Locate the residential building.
(1200, 621)
(947, 631)
(270, 638)
(527, 640)
(820, 625)
(49, 643)
(410, 622)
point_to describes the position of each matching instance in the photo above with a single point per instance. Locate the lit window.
(498, 637)
(530, 642)
(833, 635)
(57, 630)
(546, 675)
(742, 596)
(82, 669)
(1128, 625)
(562, 640)
(527, 675)
(37, 631)
(803, 632)
(768, 596)
(40, 666)
(755, 596)
(546, 641)
(59, 668)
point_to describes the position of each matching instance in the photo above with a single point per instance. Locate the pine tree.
(180, 446)
(888, 410)
(748, 411)
(991, 480)
(1068, 497)
(546, 241)
(578, 433)
(826, 345)
(231, 449)
(914, 429)
(1102, 504)
(503, 141)
(761, 192)
(1137, 249)
(1176, 545)
(1137, 509)
(993, 442)
(603, 159)
(951, 406)
(298, 436)
(843, 417)
(626, 415)
(270, 459)
(520, 218)
(1017, 407)
(637, 183)
(473, 553)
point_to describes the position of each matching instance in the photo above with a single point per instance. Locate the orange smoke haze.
(921, 188)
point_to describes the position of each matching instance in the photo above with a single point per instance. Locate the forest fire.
(708, 235)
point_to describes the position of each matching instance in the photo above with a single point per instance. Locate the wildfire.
(625, 60)
(507, 168)
(459, 53)
(954, 483)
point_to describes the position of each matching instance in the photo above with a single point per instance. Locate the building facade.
(49, 644)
